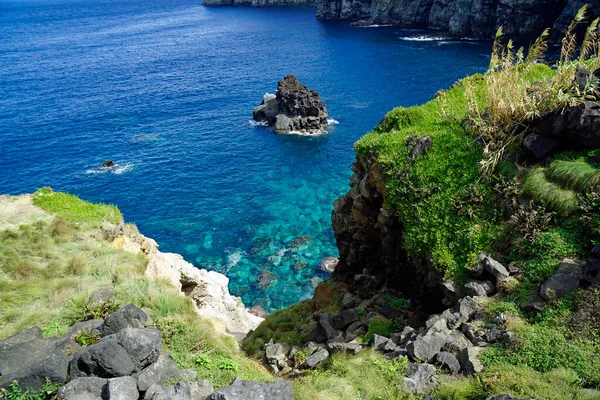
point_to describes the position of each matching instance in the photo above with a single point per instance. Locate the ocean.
(166, 89)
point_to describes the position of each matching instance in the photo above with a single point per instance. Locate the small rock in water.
(328, 264)
(108, 164)
(293, 109)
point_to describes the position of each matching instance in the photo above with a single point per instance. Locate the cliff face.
(521, 19)
(260, 3)
(369, 238)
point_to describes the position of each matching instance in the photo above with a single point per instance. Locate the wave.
(332, 121)
(375, 26)
(423, 38)
(117, 169)
(257, 123)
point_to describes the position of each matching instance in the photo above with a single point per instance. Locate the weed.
(86, 338)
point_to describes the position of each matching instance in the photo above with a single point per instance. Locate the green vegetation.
(50, 268)
(86, 338)
(291, 325)
(536, 185)
(521, 382)
(368, 375)
(47, 392)
(73, 209)
(548, 342)
(382, 327)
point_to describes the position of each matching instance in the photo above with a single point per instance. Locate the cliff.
(521, 20)
(260, 3)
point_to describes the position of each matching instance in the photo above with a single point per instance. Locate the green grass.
(73, 209)
(368, 375)
(547, 343)
(291, 325)
(446, 208)
(575, 175)
(536, 184)
(518, 381)
(382, 327)
(49, 269)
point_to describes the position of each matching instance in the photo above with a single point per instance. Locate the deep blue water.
(166, 89)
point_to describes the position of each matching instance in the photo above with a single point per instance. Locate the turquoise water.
(166, 90)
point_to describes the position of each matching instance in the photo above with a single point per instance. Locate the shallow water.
(166, 90)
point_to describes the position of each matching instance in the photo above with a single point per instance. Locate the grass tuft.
(73, 209)
(575, 175)
(537, 185)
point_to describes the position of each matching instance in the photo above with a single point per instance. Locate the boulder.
(378, 342)
(122, 388)
(21, 350)
(534, 303)
(92, 326)
(128, 316)
(162, 370)
(328, 264)
(34, 376)
(349, 348)
(102, 295)
(425, 347)
(277, 354)
(105, 359)
(201, 389)
(419, 378)
(419, 146)
(455, 342)
(348, 301)
(247, 390)
(469, 360)
(540, 146)
(325, 331)
(494, 268)
(467, 308)
(294, 108)
(317, 358)
(143, 345)
(91, 386)
(448, 360)
(559, 285)
(479, 288)
(179, 391)
(108, 164)
(344, 319)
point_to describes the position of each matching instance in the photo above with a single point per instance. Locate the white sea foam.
(257, 123)
(117, 169)
(375, 26)
(332, 121)
(423, 38)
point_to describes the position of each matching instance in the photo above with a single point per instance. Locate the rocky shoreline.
(475, 19)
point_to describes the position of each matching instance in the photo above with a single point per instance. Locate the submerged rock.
(293, 109)
(328, 264)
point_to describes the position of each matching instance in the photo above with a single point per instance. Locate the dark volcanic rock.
(246, 390)
(128, 316)
(105, 359)
(293, 108)
(33, 377)
(520, 19)
(108, 164)
(259, 3)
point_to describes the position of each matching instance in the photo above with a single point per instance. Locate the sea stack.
(293, 109)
